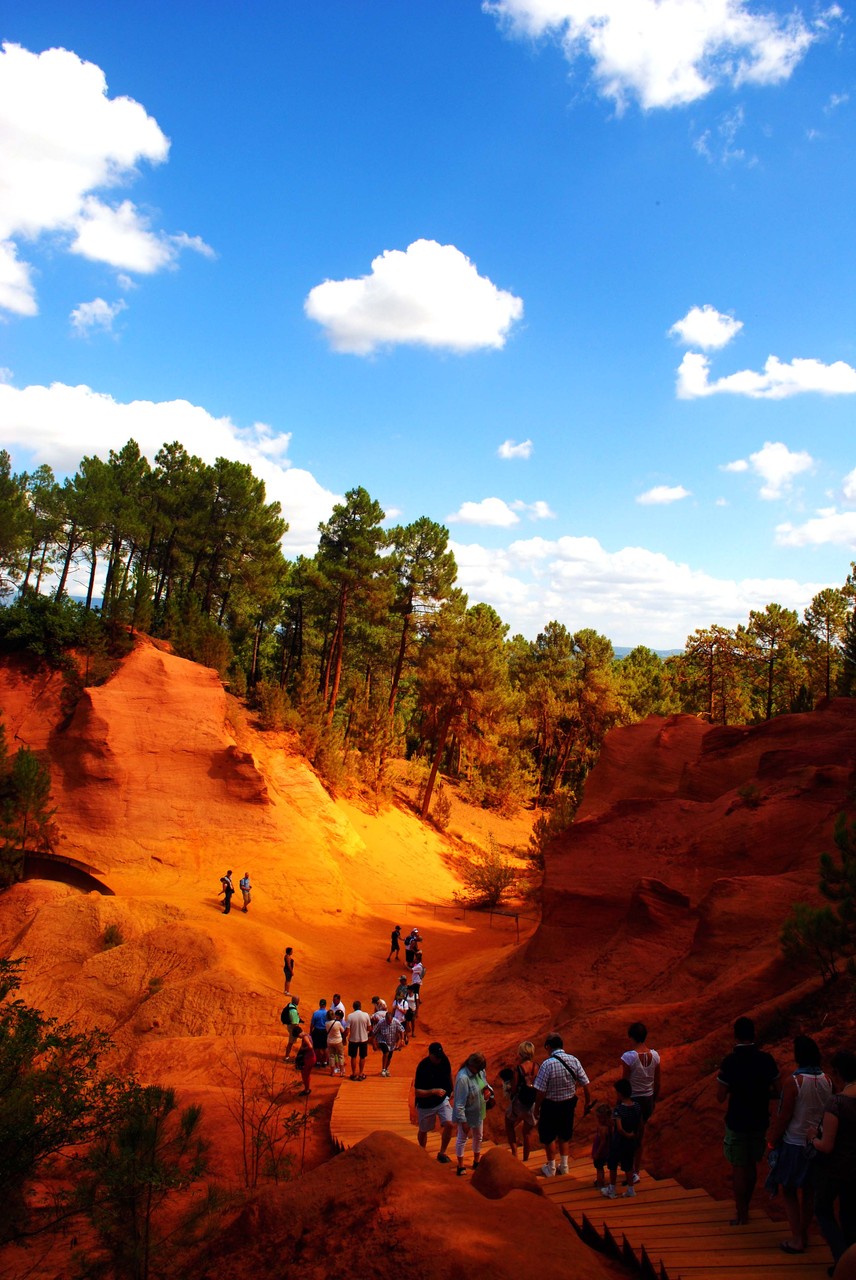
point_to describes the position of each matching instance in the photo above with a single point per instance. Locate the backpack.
(283, 1017)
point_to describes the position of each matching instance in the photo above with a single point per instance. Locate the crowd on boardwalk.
(810, 1145)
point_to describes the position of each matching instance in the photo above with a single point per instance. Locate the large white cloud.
(828, 527)
(665, 53)
(706, 327)
(632, 595)
(428, 295)
(779, 380)
(490, 511)
(777, 465)
(61, 140)
(57, 424)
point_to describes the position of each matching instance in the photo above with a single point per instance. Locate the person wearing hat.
(433, 1086)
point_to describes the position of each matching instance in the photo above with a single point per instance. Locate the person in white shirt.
(358, 1025)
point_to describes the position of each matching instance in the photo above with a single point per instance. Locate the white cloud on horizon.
(97, 314)
(428, 295)
(665, 53)
(49, 423)
(777, 465)
(779, 380)
(662, 495)
(706, 327)
(510, 449)
(632, 595)
(62, 139)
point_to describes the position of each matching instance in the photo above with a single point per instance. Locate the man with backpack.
(555, 1100)
(226, 891)
(291, 1020)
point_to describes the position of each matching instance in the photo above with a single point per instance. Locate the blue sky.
(574, 277)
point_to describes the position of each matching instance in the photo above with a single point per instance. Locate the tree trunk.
(91, 578)
(399, 664)
(339, 649)
(442, 734)
(67, 563)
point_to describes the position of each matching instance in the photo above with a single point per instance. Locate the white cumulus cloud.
(633, 595)
(490, 511)
(776, 465)
(49, 423)
(706, 327)
(428, 295)
(538, 510)
(779, 380)
(62, 139)
(662, 495)
(511, 449)
(97, 314)
(837, 528)
(665, 53)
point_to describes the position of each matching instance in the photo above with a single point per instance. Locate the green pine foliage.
(367, 649)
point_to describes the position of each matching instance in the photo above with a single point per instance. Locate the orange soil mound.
(385, 1208)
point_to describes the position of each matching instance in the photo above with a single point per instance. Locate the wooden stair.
(665, 1232)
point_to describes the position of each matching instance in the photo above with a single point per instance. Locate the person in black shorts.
(394, 941)
(748, 1079)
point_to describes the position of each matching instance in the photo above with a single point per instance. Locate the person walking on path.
(226, 891)
(641, 1066)
(394, 943)
(358, 1026)
(521, 1099)
(318, 1031)
(555, 1101)
(805, 1094)
(305, 1061)
(469, 1108)
(335, 1043)
(626, 1118)
(246, 891)
(388, 1036)
(288, 968)
(433, 1087)
(291, 1018)
(748, 1079)
(835, 1174)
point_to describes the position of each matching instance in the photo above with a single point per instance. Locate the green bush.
(111, 937)
(487, 875)
(273, 705)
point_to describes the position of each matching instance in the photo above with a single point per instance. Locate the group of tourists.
(541, 1099)
(811, 1144)
(227, 890)
(333, 1034)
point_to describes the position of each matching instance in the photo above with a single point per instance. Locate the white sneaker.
(563, 1167)
(608, 1192)
(634, 1178)
(548, 1170)
(631, 1191)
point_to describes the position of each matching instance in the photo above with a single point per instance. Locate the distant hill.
(621, 651)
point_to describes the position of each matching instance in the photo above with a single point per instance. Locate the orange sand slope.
(161, 783)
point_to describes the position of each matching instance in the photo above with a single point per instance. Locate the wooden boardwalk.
(665, 1232)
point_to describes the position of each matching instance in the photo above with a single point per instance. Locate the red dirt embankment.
(663, 902)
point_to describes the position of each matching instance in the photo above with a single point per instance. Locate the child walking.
(601, 1143)
(626, 1118)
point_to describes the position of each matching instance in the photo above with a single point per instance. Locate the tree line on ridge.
(368, 649)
